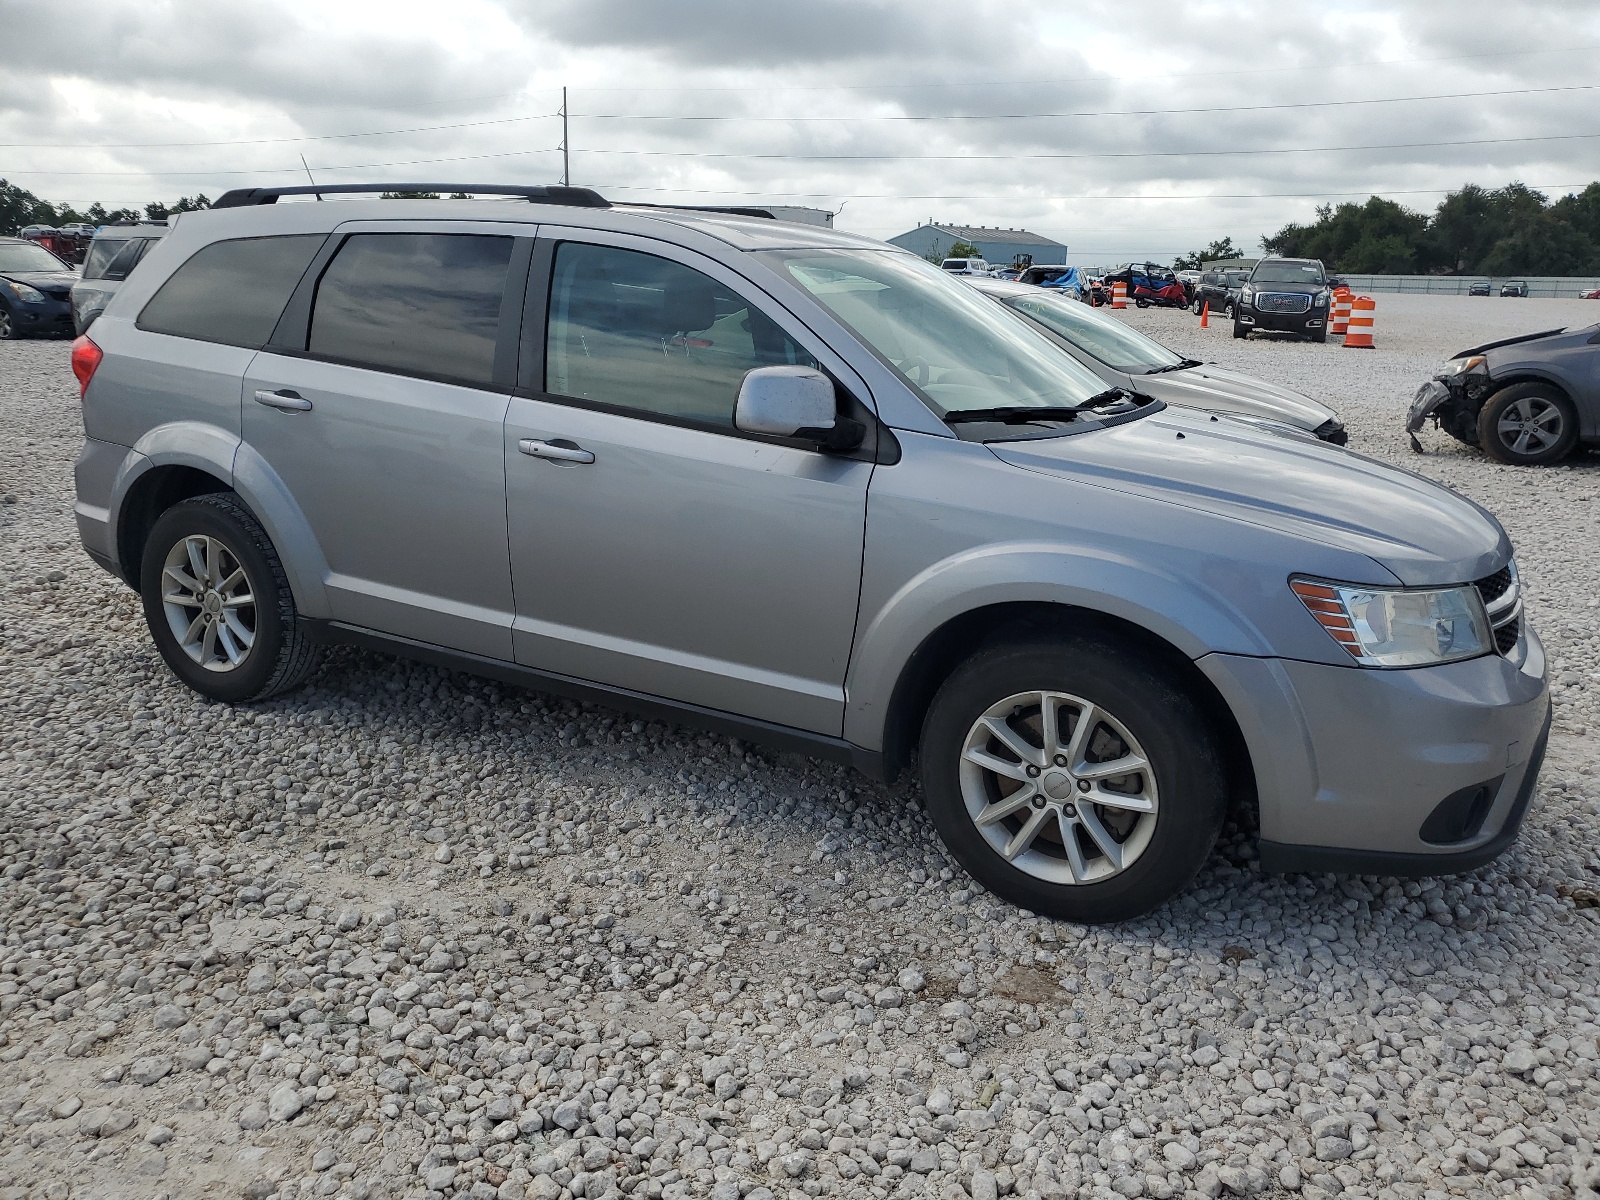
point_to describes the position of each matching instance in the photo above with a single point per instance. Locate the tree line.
(19, 208)
(1513, 230)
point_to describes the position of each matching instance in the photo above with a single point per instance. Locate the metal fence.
(1457, 285)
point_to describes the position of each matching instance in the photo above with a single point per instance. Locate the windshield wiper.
(1181, 365)
(1022, 414)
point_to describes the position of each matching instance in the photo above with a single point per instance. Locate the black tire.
(1548, 435)
(1199, 303)
(281, 654)
(1131, 688)
(1239, 330)
(8, 327)
(1319, 335)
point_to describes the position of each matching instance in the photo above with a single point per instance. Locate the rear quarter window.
(101, 252)
(231, 292)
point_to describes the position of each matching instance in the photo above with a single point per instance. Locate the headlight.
(25, 293)
(1460, 366)
(1246, 296)
(1320, 300)
(1399, 627)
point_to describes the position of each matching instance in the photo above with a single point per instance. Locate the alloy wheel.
(1530, 425)
(209, 602)
(1058, 787)
(6, 330)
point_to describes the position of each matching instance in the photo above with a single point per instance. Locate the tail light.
(86, 358)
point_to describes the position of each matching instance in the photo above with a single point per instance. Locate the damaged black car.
(1525, 401)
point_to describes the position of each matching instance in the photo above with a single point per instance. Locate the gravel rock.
(406, 930)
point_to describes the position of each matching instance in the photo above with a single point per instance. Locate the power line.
(1046, 157)
(1127, 112)
(562, 112)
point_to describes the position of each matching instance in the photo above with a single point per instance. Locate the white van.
(966, 266)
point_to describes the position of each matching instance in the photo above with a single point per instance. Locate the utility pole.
(566, 163)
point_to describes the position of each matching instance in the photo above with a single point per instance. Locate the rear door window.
(231, 292)
(641, 333)
(101, 252)
(424, 304)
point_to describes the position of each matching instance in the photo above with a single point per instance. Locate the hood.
(1420, 532)
(1218, 389)
(1510, 341)
(51, 281)
(1291, 289)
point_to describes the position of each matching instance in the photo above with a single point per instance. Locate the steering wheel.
(918, 365)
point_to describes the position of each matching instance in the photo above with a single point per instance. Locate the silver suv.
(808, 489)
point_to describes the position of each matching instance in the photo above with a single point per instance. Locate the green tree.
(1379, 230)
(1543, 244)
(17, 208)
(963, 250)
(1192, 261)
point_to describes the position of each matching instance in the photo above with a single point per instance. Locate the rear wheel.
(1527, 425)
(1073, 777)
(218, 602)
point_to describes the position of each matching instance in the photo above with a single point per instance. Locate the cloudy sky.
(1122, 128)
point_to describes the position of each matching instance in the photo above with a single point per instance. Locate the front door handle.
(555, 451)
(285, 400)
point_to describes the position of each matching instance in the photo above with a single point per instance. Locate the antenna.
(566, 165)
(307, 166)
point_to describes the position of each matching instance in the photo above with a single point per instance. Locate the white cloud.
(187, 71)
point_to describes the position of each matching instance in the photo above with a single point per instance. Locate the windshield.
(1288, 272)
(25, 256)
(1106, 338)
(944, 337)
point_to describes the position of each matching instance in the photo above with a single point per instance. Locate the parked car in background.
(1526, 401)
(1124, 357)
(1479, 287)
(1151, 283)
(1515, 287)
(35, 290)
(1291, 295)
(115, 251)
(855, 509)
(1218, 291)
(966, 266)
(1057, 277)
(1592, 295)
(1190, 278)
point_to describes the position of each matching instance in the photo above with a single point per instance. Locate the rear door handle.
(286, 400)
(555, 451)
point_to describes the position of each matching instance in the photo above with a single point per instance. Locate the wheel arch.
(953, 642)
(154, 490)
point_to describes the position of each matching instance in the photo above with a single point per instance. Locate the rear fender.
(205, 447)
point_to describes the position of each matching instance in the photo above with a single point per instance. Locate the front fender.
(1192, 617)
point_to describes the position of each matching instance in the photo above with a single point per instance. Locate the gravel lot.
(406, 933)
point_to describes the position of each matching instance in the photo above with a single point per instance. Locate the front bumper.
(1304, 322)
(1357, 769)
(51, 317)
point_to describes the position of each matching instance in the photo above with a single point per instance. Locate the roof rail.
(711, 208)
(576, 197)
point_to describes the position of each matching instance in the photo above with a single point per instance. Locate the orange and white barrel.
(1359, 333)
(1339, 316)
(1119, 294)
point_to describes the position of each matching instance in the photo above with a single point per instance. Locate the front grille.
(1332, 431)
(1492, 587)
(1502, 600)
(1505, 636)
(1283, 302)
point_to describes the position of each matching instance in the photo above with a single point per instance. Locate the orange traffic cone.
(1205, 314)
(1339, 317)
(1359, 334)
(1119, 294)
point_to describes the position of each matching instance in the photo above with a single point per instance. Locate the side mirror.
(794, 402)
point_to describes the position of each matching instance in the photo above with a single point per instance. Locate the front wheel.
(1073, 777)
(1240, 330)
(8, 329)
(218, 603)
(1527, 425)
